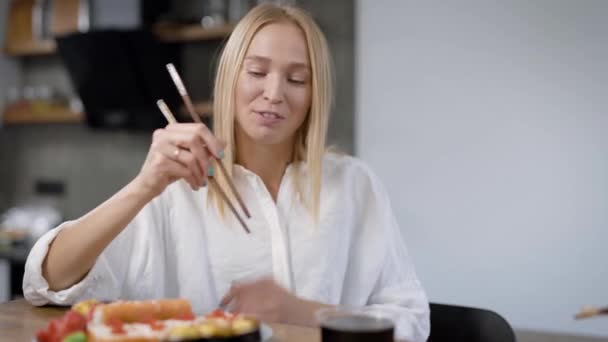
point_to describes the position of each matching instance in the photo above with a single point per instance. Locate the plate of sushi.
(165, 320)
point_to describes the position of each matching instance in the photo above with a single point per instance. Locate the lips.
(269, 114)
(268, 118)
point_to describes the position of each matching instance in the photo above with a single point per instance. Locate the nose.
(273, 89)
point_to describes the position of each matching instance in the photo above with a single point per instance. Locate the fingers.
(178, 153)
(243, 288)
(214, 145)
(231, 295)
(244, 299)
(162, 166)
(253, 308)
(176, 170)
(200, 156)
(185, 150)
(182, 164)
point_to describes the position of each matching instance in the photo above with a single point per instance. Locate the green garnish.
(76, 337)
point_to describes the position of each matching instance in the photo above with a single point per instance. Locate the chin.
(267, 137)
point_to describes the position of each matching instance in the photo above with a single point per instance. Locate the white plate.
(265, 332)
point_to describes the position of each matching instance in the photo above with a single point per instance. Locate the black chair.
(459, 323)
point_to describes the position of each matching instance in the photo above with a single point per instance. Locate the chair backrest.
(459, 323)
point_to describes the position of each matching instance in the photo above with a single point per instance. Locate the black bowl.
(253, 336)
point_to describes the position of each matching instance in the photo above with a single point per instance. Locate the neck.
(267, 161)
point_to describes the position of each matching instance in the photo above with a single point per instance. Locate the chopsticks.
(179, 84)
(171, 119)
(590, 311)
(186, 98)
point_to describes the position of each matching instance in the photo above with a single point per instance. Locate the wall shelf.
(26, 113)
(204, 109)
(31, 48)
(191, 33)
(168, 33)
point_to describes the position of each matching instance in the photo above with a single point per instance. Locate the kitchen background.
(472, 113)
(82, 165)
(94, 163)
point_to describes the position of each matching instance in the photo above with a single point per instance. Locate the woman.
(322, 229)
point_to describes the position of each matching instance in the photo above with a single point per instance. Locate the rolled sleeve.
(99, 283)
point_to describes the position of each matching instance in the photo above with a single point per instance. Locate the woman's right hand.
(179, 151)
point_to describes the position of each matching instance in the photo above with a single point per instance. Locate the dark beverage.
(357, 328)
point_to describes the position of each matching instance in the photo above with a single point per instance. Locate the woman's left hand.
(269, 302)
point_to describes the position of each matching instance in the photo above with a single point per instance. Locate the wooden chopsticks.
(171, 118)
(590, 311)
(186, 98)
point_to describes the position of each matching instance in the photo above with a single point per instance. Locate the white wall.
(488, 123)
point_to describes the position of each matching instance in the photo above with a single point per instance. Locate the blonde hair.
(310, 137)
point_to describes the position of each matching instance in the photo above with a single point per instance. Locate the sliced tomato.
(154, 324)
(43, 336)
(116, 325)
(217, 313)
(61, 327)
(74, 321)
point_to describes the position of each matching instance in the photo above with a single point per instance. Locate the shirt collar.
(241, 171)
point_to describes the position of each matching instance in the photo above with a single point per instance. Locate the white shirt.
(177, 246)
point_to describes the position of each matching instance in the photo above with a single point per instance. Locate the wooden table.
(19, 321)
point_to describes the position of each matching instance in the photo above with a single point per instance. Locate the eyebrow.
(256, 58)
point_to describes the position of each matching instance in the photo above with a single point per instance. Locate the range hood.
(119, 75)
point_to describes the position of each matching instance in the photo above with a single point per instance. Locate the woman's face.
(273, 92)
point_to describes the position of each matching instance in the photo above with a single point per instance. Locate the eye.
(256, 74)
(296, 81)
